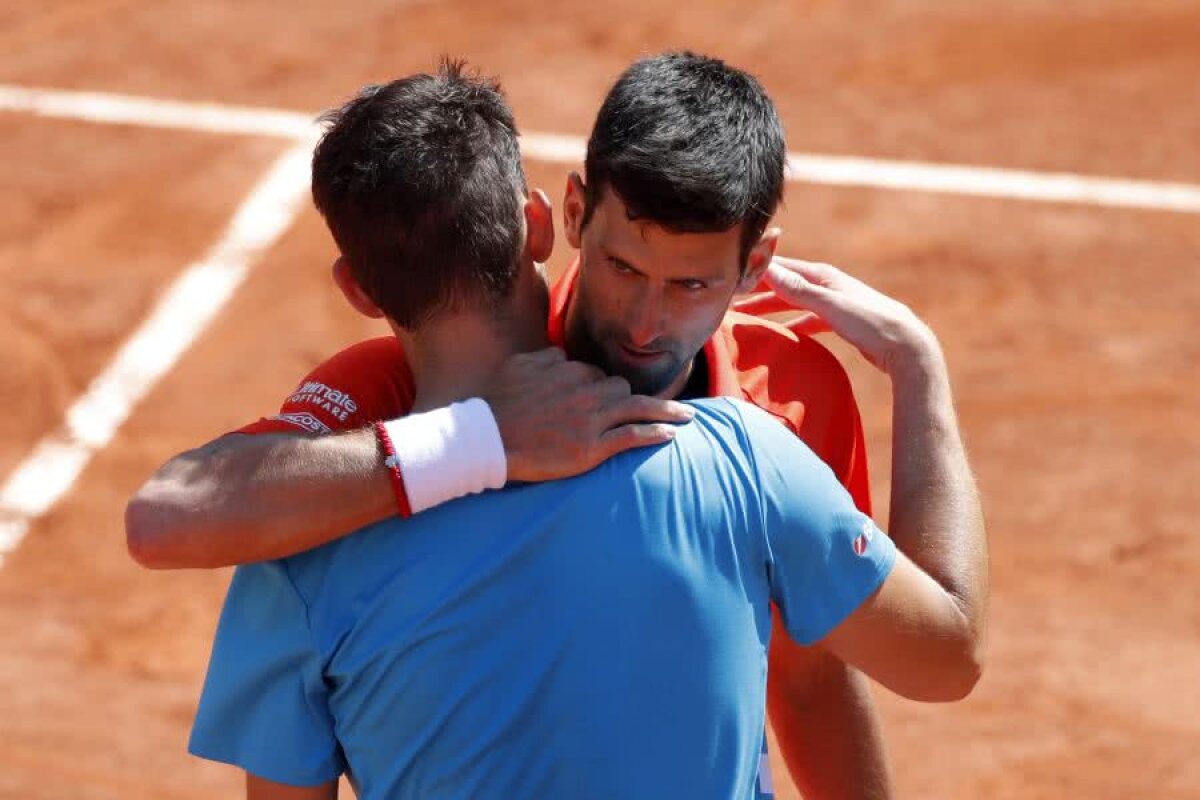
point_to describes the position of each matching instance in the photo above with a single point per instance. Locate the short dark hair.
(689, 143)
(419, 181)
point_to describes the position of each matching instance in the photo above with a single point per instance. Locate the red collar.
(717, 352)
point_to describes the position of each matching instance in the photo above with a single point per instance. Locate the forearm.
(250, 498)
(935, 511)
(825, 724)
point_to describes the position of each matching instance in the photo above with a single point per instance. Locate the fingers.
(807, 324)
(788, 282)
(816, 272)
(762, 286)
(626, 437)
(543, 357)
(571, 373)
(762, 303)
(612, 389)
(640, 408)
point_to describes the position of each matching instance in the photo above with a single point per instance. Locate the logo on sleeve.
(306, 421)
(863, 540)
(332, 401)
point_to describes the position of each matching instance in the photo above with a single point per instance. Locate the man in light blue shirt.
(603, 636)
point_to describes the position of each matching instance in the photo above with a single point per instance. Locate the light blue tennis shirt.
(598, 637)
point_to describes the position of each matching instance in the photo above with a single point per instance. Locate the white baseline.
(183, 312)
(1053, 187)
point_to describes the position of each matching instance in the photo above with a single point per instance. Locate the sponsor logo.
(306, 421)
(332, 401)
(863, 540)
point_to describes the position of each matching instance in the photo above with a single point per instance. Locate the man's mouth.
(640, 356)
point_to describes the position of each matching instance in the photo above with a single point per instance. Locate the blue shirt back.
(598, 637)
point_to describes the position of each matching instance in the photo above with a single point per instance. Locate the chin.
(649, 383)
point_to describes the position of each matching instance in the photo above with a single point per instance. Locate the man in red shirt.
(684, 170)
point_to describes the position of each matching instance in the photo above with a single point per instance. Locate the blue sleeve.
(264, 706)
(824, 556)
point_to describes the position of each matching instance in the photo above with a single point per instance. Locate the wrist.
(917, 359)
(447, 453)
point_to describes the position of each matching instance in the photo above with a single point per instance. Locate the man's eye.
(621, 266)
(692, 285)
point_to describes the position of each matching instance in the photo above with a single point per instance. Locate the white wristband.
(448, 452)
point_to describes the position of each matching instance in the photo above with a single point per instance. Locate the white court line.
(182, 314)
(1051, 187)
(119, 109)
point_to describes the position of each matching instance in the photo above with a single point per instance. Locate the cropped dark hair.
(419, 181)
(689, 143)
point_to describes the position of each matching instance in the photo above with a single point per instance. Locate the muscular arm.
(263, 789)
(923, 632)
(245, 498)
(936, 519)
(821, 708)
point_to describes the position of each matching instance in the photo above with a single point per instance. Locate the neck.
(455, 357)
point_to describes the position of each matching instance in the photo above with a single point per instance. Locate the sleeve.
(264, 706)
(365, 383)
(824, 556)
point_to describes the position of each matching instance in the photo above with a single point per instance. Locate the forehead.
(654, 250)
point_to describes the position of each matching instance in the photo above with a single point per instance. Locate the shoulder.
(728, 433)
(759, 347)
(384, 356)
(729, 416)
(796, 379)
(364, 383)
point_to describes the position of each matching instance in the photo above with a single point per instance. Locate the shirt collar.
(719, 351)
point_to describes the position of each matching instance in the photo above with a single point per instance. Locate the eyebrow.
(702, 276)
(614, 257)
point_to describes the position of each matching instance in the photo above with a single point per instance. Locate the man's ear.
(352, 291)
(539, 226)
(759, 259)
(574, 203)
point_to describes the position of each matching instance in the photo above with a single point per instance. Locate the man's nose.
(644, 324)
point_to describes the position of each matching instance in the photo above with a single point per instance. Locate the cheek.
(696, 318)
(604, 301)
(595, 306)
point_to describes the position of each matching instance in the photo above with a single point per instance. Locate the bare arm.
(825, 722)
(923, 633)
(262, 789)
(244, 498)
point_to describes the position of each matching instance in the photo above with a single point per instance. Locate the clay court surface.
(1068, 327)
